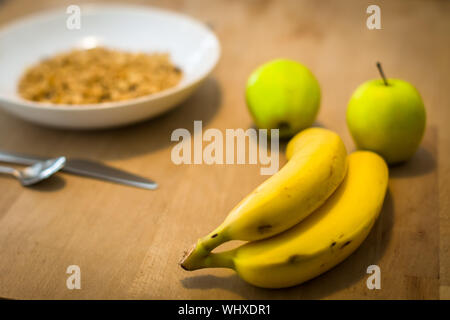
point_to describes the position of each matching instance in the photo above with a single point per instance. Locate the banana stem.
(196, 257)
(213, 240)
(212, 260)
(220, 260)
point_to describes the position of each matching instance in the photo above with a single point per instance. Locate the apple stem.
(380, 69)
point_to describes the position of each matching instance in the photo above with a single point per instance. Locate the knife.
(87, 168)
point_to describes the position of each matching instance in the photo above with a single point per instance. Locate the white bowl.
(191, 45)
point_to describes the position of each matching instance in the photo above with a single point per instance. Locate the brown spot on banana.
(294, 259)
(346, 244)
(264, 228)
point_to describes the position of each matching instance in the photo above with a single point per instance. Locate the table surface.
(127, 241)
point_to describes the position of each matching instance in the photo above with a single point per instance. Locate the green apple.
(387, 116)
(283, 94)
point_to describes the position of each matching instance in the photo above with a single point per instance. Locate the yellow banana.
(321, 241)
(317, 162)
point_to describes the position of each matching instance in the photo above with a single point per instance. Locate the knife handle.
(17, 158)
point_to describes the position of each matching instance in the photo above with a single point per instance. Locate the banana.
(317, 163)
(321, 241)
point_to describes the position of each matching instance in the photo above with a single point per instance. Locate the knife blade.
(85, 167)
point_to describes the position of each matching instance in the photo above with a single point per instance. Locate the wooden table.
(127, 241)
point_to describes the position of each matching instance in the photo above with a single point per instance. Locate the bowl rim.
(47, 14)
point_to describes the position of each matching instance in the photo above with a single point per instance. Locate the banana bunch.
(303, 220)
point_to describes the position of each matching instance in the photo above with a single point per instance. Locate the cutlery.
(35, 173)
(87, 168)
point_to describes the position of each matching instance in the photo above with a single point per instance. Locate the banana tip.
(184, 262)
(184, 268)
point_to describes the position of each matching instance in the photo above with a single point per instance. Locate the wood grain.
(128, 241)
